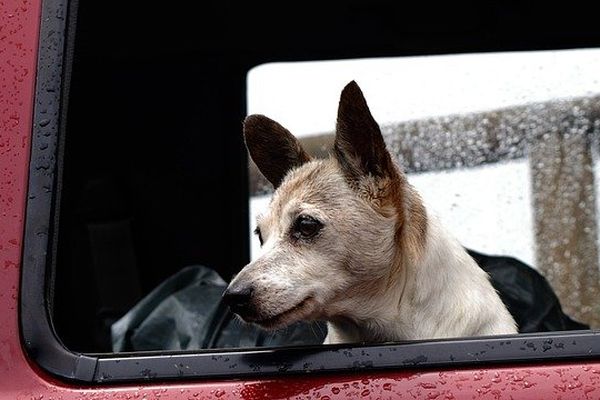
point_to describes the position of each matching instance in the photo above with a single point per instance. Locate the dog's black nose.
(238, 298)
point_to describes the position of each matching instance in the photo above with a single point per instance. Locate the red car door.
(551, 367)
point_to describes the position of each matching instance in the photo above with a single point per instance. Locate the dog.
(348, 240)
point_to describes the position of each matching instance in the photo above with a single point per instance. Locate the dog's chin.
(301, 311)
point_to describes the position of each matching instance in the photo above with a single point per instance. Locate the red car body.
(21, 378)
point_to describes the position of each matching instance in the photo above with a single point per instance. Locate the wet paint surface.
(19, 20)
(526, 382)
(19, 379)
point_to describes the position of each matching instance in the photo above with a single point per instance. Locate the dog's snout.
(238, 298)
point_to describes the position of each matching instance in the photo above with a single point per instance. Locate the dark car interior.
(155, 175)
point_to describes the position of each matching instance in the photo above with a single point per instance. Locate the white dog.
(348, 240)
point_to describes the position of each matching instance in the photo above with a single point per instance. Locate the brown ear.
(272, 147)
(359, 145)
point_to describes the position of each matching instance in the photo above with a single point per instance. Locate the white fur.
(446, 295)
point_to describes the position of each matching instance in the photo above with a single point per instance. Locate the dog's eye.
(306, 227)
(257, 233)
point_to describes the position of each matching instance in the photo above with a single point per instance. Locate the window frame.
(45, 348)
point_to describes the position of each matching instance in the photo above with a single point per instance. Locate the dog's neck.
(417, 303)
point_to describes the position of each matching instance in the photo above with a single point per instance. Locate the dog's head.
(335, 230)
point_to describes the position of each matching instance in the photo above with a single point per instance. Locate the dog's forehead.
(318, 181)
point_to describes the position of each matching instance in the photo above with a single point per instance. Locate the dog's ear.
(272, 147)
(359, 145)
